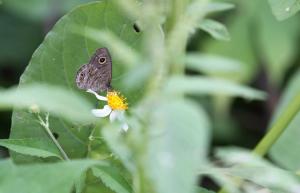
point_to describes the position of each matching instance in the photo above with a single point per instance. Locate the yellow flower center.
(116, 101)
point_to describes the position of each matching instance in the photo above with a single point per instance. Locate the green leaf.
(80, 183)
(212, 64)
(238, 48)
(284, 9)
(247, 166)
(218, 6)
(204, 86)
(30, 146)
(277, 50)
(58, 101)
(179, 136)
(257, 37)
(112, 179)
(284, 151)
(122, 51)
(216, 29)
(56, 62)
(47, 178)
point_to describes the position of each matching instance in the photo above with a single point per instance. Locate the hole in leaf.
(55, 135)
(136, 28)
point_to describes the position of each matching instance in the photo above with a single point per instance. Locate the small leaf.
(30, 146)
(284, 9)
(212, 64)
(216, 29)
(112, 179)
(203, 86)
(54, 99)
(47, 178)
(218, 6)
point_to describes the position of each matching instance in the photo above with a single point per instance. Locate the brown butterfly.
(96, 75)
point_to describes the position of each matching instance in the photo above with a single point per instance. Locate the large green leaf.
(46, 178)
(285, 151)
(284, 9)
(33, 147)
(56, 62)
(179, 139)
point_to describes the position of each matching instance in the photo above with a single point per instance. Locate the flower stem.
(276, 130)
(45, 124)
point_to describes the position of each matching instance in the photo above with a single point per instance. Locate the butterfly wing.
(96, 75)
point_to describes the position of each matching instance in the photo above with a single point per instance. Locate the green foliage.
(41, 9)
(284, 9)
(12, 41)
(167, 145)
(247, 166)
(112, 179)
(55, 100)
(288, 141)
(215, 29)
(48, 178)
(182, 132)
(212, 64)
(33, 147)
(204, 85)
(258, 39)
(48, 65)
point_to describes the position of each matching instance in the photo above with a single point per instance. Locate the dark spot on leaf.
(55, 135)
(136, 28)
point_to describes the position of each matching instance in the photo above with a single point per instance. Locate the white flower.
(115, 108)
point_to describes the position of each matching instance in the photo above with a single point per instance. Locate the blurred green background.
(266, 49)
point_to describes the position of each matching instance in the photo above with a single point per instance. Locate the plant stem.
(276, 130)
(45, 124)
(278, 127)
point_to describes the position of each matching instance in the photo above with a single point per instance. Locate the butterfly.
(97, 74)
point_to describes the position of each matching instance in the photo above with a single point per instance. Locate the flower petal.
(121, 116)
(113, 116)
(102, 112)
(125, 127)
(102, 98)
